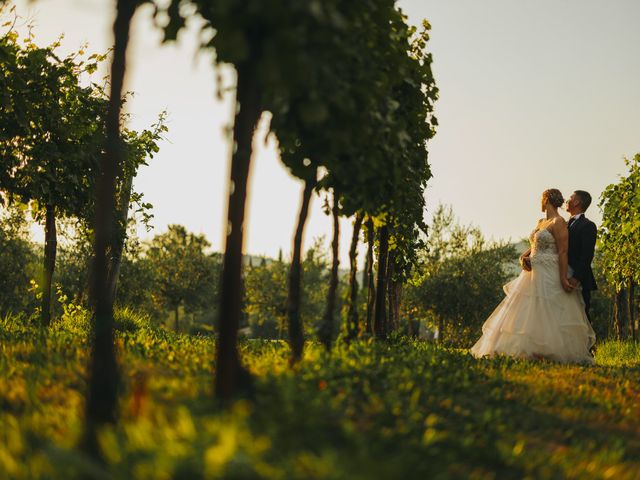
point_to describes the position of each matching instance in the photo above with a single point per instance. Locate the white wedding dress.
(538, 318)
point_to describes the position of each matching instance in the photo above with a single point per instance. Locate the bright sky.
(533, 95)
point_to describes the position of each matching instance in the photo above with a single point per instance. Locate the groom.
(582, 242)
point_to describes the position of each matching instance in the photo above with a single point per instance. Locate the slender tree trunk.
(380, 324)
(397, 294)
(622, 314)
(390, 296)
(632, 310)
(326, 331)
(371, 289)
(352, 312)
(103, 370)
(296, 332)
(229, 373)
(50, 247)
(394, 288)
(611, 317)
(118, 240)
(364, 288)
(636, 311)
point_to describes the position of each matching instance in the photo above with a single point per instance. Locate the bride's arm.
(561, 235)
(525, 261)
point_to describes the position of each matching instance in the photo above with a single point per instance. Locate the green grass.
(401, 409)
(615, 353)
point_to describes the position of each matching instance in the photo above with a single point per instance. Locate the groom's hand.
(574, 282)
(566, 285)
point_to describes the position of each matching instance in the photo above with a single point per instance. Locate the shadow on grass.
(416, 411)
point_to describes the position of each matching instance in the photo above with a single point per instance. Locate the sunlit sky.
(533, 95)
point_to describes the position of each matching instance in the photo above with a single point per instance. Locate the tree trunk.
(50, 246)
(394, 289)
(352, 312)
(103, 370)
(296, 332)
(632, 310)
(117, 247)
(397, 294)
(371, 289)
(326, 330)
(364, 287)
(390, 297)
(621, 314)
(380, 324)
(177, 318)
(229, 373)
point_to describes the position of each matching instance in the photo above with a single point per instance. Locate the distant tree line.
(173, 278)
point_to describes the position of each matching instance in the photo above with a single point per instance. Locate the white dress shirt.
(576, 216)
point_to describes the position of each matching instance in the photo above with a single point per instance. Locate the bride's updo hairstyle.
(553, 196)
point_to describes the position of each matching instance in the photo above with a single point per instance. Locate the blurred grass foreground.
(397, 409)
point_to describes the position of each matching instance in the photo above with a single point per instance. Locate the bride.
(542, 315)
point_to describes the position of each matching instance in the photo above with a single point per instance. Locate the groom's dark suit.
(582, 242)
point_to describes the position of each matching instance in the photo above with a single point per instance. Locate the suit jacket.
(582, 243)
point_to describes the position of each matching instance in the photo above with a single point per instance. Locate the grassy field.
(402, 409)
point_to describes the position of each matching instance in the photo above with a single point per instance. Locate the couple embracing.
(545, 313)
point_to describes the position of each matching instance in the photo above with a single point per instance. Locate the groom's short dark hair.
(585, 199)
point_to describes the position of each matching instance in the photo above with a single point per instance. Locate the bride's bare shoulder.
(558, 225)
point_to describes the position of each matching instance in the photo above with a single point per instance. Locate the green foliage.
(51, 128)
(400, 409)
(266, 299)
(371, 121)
(315, 284)
(602, 300)
(460, 278)
(139, 148)
(172, 269)
(184, 275)
(136, 284)
(73, 261)
(18, 261)
(52, 137)
(416, 124)
(619, 238)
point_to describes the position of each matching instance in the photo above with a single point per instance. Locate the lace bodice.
(543, 243)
